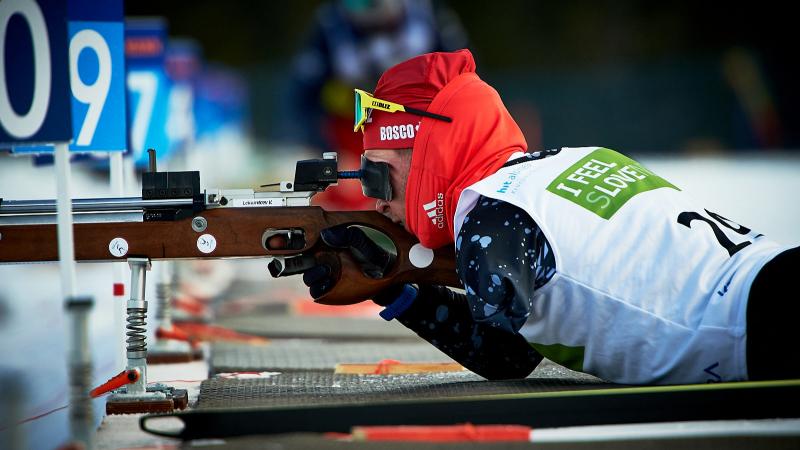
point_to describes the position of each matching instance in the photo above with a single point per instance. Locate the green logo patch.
(604, 181)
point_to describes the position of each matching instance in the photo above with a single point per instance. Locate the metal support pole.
(138, 396)
(80, 359)
(131, 180)
(66, 249)
(80, 372)
(137, 325)
(167, 349)
(12, 399)
(164, 294)
(117, 184)
(116, 174)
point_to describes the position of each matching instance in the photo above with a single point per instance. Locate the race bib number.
(604, 180)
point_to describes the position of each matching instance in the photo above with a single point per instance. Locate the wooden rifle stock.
(238, 233)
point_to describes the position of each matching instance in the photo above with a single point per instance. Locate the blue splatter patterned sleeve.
(441, 317)
(502, 257)
(501, 263)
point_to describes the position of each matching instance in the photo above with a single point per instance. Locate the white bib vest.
(649, 286)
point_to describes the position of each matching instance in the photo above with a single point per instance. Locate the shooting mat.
(315, 388)
(283, 355)
(309, 354)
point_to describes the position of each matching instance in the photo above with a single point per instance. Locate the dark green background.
(632, 75)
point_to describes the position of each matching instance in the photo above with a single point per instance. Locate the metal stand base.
(159, 398)
(137, 396)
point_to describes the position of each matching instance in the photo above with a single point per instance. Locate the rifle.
(174, 219)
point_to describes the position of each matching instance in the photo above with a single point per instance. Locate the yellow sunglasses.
(365, 103)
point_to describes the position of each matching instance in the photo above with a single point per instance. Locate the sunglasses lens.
(375, 179)
(359, 113)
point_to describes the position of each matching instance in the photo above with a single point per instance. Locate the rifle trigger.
(284, 239)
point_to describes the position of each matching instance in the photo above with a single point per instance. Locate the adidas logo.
(435, 210)
(430, 209)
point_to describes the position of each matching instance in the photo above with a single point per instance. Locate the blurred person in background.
(350, 44)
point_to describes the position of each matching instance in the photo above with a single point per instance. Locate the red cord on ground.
(205, 332)
(32, 418)
(444, 433)
(173, 333)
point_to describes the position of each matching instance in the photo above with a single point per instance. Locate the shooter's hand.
(320, 276)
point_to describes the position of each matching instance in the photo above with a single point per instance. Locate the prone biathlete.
(579, 255)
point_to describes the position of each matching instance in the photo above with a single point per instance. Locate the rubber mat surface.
(321, 388)
(306, 354)
(293, 354)
(283, 326)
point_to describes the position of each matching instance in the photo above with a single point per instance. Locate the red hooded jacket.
(447, 156)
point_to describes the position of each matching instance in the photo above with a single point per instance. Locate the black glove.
(373, 259)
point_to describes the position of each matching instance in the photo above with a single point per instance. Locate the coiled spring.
(137, 330)
(164, 297)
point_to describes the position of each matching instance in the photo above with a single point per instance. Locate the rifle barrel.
(48, 206)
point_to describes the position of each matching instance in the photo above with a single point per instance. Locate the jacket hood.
(449, 157)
